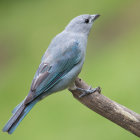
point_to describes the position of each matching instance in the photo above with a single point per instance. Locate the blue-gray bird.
(60, 65)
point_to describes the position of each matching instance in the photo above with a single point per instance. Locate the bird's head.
(81, 24)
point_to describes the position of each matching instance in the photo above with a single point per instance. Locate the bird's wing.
(48, 74)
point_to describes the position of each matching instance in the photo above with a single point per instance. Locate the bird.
(60, 65)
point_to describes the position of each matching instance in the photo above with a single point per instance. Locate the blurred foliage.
(113, 62)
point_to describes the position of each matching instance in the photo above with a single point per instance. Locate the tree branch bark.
(111, 110)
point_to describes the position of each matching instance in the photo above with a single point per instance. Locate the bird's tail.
(18, 115)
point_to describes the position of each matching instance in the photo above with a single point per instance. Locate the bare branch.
(111, 110)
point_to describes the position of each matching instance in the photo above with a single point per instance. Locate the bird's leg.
(87, 91)
(84, 91)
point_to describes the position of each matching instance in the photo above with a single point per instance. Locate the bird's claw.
(89, 91)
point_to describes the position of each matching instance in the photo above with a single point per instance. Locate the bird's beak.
(94, 17)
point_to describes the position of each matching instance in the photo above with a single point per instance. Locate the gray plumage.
(60, 65)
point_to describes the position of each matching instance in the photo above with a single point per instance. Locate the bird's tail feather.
(21, 111)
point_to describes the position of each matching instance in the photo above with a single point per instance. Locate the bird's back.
(62, 43)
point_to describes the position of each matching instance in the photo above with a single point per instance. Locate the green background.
(112, 62)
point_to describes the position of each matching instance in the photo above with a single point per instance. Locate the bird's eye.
(86, 20)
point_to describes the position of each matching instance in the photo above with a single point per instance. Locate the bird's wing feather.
(48, 74)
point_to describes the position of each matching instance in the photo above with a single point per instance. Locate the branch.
(111, 110)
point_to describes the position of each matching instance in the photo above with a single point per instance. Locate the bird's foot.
(88, 91)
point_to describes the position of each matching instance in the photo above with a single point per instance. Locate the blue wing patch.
(48, 75)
